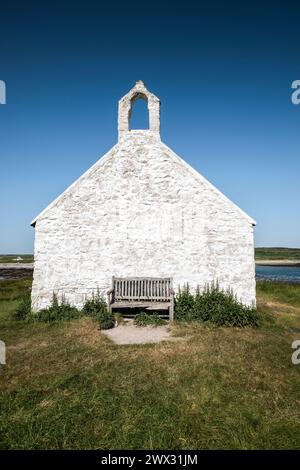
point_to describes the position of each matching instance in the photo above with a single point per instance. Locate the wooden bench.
(151, 293)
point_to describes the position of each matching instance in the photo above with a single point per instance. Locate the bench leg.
(109, 304)
(171, 311)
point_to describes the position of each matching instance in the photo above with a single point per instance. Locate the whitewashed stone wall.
(141, 211)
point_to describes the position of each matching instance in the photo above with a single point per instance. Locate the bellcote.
(139, 91)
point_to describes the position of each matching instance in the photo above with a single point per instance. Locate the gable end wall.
(141, 212)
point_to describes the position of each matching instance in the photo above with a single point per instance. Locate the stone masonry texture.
(141, 211)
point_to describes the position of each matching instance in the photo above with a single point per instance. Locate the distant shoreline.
(12, 271)
(258, 262)
(16, 265)
(278, 262)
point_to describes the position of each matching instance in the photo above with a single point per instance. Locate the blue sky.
(223, 74)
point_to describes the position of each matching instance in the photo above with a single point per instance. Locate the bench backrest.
(146, 288)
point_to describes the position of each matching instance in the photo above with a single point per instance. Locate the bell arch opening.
(146, 112)
(139, 112)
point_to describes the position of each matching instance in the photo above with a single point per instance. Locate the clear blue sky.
(223, 74)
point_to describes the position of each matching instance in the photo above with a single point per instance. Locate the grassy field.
(292, 254)
(67, 386)
(15, 259)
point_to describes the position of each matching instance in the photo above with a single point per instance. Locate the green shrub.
(106, 320)
(143, 319)
(23, 310)
(57, 311)
(96, 307)
(157, 320)
(184, 303)
(215, 306)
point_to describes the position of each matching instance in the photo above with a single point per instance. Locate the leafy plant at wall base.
(95, 305)
(96, 308)
(215, 306)
(57, 311)
(143, 319)
(156, 320)
(184, 304)
(106, 320)
(23, 310)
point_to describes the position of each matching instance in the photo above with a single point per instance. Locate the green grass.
(279, 292)
(277, 253)
(67, 386)
(13, 259)
(12, 290)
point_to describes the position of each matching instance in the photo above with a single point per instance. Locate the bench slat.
(135, 291)
(150, 292)
(156, 289)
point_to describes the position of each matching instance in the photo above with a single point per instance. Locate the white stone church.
(141, 211)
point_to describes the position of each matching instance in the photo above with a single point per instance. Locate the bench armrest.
(109, 291)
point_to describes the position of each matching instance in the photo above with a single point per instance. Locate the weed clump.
(23, 310)
(214, 306)
(56, 311)
(144, 319)
(96, 308)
